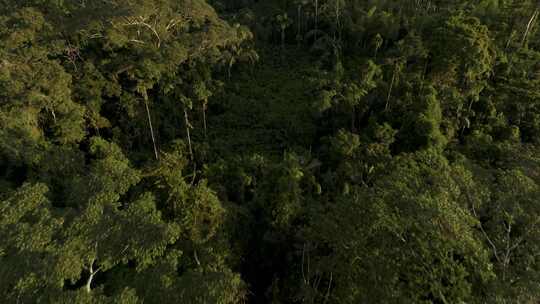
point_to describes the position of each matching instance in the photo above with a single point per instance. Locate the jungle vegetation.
(272, 151)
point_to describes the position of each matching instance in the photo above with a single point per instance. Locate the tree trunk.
(89, 282)
(299, 28)
(510, 37)
(424, 72)
(390, 89)
(353, 119)
(204, 107)
(196, 256)
(151, 128)
(88, 286)
(316, 18)
(337, 34)
(282, 38)
(529, 26)
(188, 126)
(229, 67)
(53, 115)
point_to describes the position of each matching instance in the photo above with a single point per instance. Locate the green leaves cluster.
(326, 151)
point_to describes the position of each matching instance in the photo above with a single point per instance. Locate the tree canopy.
(279, 151)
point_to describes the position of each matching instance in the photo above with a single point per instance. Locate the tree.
(36, 105)
(77, 244)
(463, 58)
(408, 238)
(422, 127)
(27, 227)
(345, 91)
(507, 214)
(149, 155)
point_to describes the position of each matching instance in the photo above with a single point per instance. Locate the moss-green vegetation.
(278, 151)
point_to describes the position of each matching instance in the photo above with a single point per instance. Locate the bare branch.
(142, 21)
(328, 289)
(491, 243)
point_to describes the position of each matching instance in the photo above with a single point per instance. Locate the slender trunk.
(327, 296)
(390, 89)
(282, 38)
(94, 125)
(89, 282)
(316, 18)
(529, 26)
(304, 276)
(510, 37)
(196, 258)
(53, 115)
(88, 286)
(229, 67)
(353, 119)
(364, 43)
(506, 260)
(188, 126)
(204, 108)
(470, 106)
(336, 33)
(298, 29)
(151, 128)
(424, 72)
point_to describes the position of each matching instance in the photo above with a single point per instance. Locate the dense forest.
(272, 151)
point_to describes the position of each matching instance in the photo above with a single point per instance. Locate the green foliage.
(423, 127)
(195, 207)
(406, 238)
(27, 228)
(243, 151)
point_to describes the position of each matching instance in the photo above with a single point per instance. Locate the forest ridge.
(271, 151)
